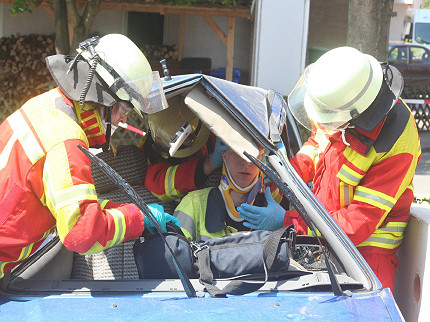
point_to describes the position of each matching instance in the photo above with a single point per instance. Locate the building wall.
(397, 22)
(279, 44)
(39, 22)
(201, 41)
(328, 24)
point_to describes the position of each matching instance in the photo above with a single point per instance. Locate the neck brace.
(227, 184)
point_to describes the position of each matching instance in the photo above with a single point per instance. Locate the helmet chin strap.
(227, 184)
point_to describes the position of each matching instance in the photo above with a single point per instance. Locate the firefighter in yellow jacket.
(45, 180)
(361, 156)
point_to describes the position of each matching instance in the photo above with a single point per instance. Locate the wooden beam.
(163, 9)
(118, 5)
(230, 49)
(181, 37)
(218, 31)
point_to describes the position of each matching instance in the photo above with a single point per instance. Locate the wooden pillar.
(181, 37)
(230, 49)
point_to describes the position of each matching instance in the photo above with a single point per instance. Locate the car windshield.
(422, 33)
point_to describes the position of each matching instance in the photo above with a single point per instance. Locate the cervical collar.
(227, 183)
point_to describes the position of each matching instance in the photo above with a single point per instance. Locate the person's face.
(120, 111)
(242, 172)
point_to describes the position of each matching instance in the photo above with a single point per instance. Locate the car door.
(419, 66)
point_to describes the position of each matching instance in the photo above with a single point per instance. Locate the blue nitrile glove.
(161, 217)
(216, 156)
(270, 217)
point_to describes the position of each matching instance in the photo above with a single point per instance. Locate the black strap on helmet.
(106, 145)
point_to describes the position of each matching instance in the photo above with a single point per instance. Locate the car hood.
(154, 307)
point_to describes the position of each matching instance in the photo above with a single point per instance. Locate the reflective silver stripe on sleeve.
(170, 180)
(25, 252)
(373, 197)
(349, 176)
(395, 229)
(382, 240)
(187, 222)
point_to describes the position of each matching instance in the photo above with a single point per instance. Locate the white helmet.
(122, 70)
(345, 85)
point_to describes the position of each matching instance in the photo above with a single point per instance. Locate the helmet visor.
(137, 91)
(306, 108)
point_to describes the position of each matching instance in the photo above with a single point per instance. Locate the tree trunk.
(369, 26)
(81, 23)
(61, 27)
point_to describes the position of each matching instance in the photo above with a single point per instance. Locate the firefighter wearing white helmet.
(361, 155)
(107, 71)
(45, 180)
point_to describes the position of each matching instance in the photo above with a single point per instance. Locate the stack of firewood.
(159, 52)
(23, 72)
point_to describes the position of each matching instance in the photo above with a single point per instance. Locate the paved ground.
(422, 174)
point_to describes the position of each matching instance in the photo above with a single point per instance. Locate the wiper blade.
(137, 200)
(286, 191)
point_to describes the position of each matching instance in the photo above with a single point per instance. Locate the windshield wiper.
(286, 191)
(137, 200)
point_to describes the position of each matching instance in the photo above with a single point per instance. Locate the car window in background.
(398, 55)
(418, 55)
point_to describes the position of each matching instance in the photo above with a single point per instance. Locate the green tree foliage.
(22, 6)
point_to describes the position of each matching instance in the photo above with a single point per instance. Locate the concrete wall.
(280, 37)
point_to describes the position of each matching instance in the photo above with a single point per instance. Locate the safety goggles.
(124, 108)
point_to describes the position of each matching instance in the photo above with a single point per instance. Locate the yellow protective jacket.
(203, 214)
(364, 179)
(45, 182)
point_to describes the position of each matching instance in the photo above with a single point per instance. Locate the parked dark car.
(413, 61)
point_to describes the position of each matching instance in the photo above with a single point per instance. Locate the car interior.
(55, 270)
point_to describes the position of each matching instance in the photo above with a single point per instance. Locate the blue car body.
(55, 296)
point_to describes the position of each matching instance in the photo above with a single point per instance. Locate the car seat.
(118, 262)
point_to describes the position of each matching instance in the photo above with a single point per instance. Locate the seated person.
(212, 212)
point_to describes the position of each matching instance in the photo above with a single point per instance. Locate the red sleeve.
(293, 217)
(378, 195)
(169, 182)
(304, 167)
(304, 161)
(82, 224)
